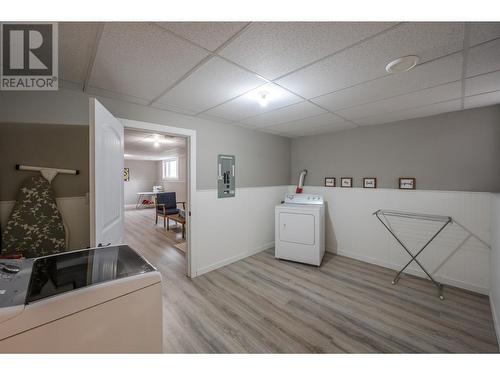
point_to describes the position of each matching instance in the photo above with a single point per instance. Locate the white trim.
(244, 188)
(190, 134)
(496, 323)
(392, 266)
(402, 191)
(235, 258)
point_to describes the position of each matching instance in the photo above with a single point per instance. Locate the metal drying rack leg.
(414, 257)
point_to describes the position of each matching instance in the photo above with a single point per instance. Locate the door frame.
(190, 136)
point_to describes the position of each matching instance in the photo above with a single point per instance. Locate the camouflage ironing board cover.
(35, 227)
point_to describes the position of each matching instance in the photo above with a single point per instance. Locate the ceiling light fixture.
(263, 98)
(402, 64)
(156, 144)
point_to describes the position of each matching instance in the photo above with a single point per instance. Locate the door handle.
(101, 245)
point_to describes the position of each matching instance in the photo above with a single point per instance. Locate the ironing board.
(35, 227)
(443, 220)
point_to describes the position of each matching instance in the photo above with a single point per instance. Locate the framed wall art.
(407, 183)
(370, 182)
(346, 182)
(330, 181)
(126, 174)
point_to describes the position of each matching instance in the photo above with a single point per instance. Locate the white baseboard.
(444, 280)
(496, 322)
(233, 259)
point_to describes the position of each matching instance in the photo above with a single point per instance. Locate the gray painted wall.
(452, 151)
(143, 176)
(261, 159)
(47, 146)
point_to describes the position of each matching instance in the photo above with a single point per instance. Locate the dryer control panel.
(303, 199)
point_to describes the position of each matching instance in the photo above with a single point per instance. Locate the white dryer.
(300, 229)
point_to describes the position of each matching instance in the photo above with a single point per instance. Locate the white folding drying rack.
(414, 216)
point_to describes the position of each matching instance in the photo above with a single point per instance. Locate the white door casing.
(106, 177)
(191, 218)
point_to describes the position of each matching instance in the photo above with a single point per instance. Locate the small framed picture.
(126, 174)
(370, 182)
(346, 182)
(407, 183)
(330, 181)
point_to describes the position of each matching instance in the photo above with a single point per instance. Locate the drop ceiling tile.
(293, 112)
(483, 31)
(214, 118)
(213, 83)
(253, 127)
(398, 103)
(320, 130)
(484, 58)
(141, 60)
(326, 119)
(433, 73)
(482, 100)
(76, 41)
(367, 60)
(482, 83)
(210, 35)
(69, 85)
(248, 104)
(114, 95)
(276, 48)
(433, 109)
(172, 108)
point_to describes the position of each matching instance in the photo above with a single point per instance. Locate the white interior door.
(106, 177)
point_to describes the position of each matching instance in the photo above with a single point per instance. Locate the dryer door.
(297, 228)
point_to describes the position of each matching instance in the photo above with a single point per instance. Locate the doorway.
(160, 164)
(155, 196)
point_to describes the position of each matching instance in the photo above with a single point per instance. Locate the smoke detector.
(403, 64)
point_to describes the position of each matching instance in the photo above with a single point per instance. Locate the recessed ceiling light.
(263, 98)
(156, 144)
(403, 64)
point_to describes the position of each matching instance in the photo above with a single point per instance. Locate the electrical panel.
(226, 182)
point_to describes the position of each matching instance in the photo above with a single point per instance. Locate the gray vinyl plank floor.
(263, 305)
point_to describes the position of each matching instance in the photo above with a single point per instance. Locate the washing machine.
(102, 300)
(300, 229)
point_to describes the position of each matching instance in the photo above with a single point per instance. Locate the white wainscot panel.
(230, 229)
(459, 256)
